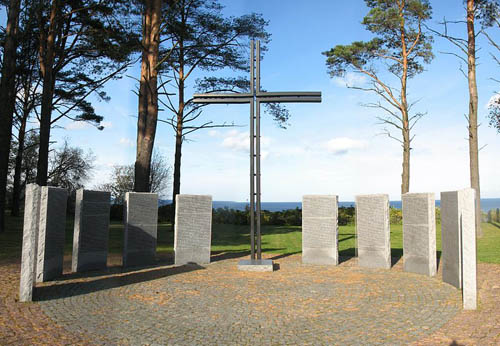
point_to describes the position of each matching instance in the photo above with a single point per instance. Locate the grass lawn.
(232, 238)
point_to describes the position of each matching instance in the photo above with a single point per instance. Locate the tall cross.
(255, 97)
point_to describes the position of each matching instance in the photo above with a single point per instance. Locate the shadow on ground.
(70, 289)
(496, 224)
(224, 255)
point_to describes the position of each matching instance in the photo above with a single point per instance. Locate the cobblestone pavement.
(216, 304)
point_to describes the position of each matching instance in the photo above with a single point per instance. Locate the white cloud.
(342, 145)
(236, 140)
(350, 79)
(77, 125)
(213, 133)
(126, 142)
(240, 141)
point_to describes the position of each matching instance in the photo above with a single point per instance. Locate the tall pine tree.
(7, 100)
(401, 47)
(202, 38)
(83, 42)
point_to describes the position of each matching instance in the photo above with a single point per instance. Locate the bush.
(438, 215)
(396, 216)
(231, 216)
(289, 217)
(346, 215)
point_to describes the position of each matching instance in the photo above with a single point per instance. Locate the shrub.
(346, 215)
(396, 216)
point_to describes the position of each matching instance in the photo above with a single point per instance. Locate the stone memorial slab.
(451, 239)
(320, 229)
(469, 271)
(141, 223)
(30, 239)
(50, 248)
(91, 232)
(193, 229)
(419, 233)
(458, 233)
(373, 231)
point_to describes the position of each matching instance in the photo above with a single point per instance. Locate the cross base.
(261, 265)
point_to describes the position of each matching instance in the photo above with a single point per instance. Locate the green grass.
(236, 239)
(489, 245)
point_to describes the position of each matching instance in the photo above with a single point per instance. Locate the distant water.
(486, 204)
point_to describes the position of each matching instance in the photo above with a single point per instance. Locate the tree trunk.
(473, 101)
(148, 95)
(16, 192)
(7, 101)
(179, 129)
(405, 176)
(47, 52)
(178, 141)
(177, 163)
(405, 184)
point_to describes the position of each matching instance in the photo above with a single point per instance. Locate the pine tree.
(7, 100)
(402, 46)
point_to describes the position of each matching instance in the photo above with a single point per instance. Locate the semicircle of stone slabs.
(217, 304)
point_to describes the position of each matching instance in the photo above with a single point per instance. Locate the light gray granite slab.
(373, 231)
(50, 248)
(451, 239)
(419, 233)
(469, 266)
(458, 233)
(193, 229)
(30, 239)
(91, 230)
(141, 223)
(320, 229)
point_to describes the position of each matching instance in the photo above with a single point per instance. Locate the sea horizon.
(486, 204)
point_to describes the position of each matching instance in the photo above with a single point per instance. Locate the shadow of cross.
(255, 97)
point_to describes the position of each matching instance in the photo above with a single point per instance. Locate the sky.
(335, 147)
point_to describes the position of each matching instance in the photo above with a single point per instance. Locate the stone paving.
(216, 304)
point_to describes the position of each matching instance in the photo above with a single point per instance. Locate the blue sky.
(330, 148)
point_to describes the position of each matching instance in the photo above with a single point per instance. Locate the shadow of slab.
(70, 289)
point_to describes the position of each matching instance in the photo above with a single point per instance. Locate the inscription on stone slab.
(419, 233)
(30, 238)
(90, 239)
(141, 222)
(51, 230)
(193, 229)
(373, 232)
(451, 255)
(320, 229)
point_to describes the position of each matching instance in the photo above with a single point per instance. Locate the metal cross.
(255, 97)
